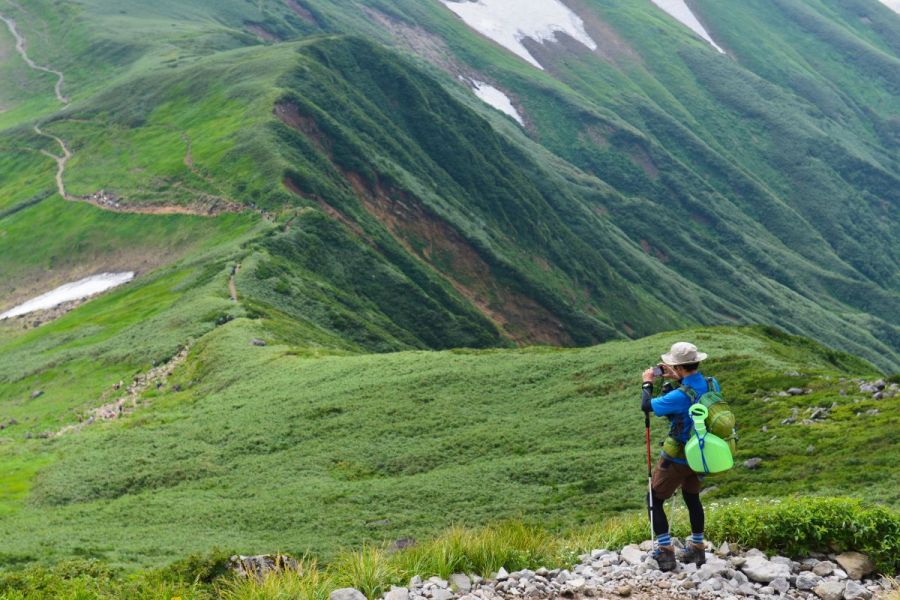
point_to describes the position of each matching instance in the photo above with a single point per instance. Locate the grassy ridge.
(279, 449)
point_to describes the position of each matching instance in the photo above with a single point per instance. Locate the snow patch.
(680, 10)
(894, 5)
(71, 291)
(508, 22)
(497, 99)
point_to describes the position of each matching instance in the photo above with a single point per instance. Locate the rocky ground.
(631, 573)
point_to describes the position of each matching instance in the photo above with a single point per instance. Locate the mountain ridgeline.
(656, 183)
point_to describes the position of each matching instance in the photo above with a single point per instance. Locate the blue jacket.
(675, 405)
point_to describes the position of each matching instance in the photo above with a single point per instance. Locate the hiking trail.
(60, 160)
(232, 288)
(213, 206)
(130, 398)
(21, 49)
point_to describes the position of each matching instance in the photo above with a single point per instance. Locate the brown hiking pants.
(669, 476)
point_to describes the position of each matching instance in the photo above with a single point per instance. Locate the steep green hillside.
(656, 183)
(314, 201)
(280, 447)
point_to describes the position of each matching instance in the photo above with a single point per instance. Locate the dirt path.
(130, 395)
(232, 288)
(101, 199)
(60, 161)
(21, 49)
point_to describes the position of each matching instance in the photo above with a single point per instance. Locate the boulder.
(795, 391)
(856, 564)
(397, 593)
(460, 582)
(503, 575)
(723, 550)
(824, 568)
(854, 591)
(830, 590)
(632, 554)
(761, 570)
(780, 585)
(347, 594)
(807, 581)
(258, 342)
(441, 594)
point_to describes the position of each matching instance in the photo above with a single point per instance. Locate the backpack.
(720, 419)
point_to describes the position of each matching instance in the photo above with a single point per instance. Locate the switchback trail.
(100, 200)
(60, 161)
(21, 49)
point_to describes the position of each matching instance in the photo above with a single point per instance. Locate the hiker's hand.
(648, 375)
(668, 372)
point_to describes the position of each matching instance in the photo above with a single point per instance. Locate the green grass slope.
(275, 447)
(651, 189)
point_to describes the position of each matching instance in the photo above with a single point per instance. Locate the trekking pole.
(649, 473)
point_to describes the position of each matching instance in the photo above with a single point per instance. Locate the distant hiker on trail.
(681, 363)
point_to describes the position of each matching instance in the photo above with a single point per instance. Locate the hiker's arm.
(646, 396)
(668, 404)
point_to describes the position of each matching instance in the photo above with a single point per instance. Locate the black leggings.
(695, 510)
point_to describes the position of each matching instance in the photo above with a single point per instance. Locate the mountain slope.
(692, 192)
(257, 448)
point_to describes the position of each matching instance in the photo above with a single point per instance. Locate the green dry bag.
(705, 451)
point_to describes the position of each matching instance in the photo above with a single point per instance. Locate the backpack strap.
(689, 392)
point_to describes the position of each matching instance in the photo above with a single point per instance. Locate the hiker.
(681, 364)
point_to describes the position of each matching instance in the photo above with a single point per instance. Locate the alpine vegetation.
(403, 299)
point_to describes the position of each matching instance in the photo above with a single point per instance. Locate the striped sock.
(664, 539)
(697, 538)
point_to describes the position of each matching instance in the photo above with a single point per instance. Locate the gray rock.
(347, 594)
(415, 582)
(646, 545)
(867, 388)
(824, 568)
(36, 394)
(753, 463)
(723, 550)
(623, 591)
(710, 585)
(795, 391)
(830, 590)
(766, 591)
(781, 560)
(397, 593)
(840, 574)
(740, 578)
(758, 568)
(747, 589)
(441, 583)
(856, 564)
(258, 342)
(807, 581)
(438, 594)
(854, 591)
(503, 575)
(780, 585)
(632, 554)
(879, 385)
(460, 582)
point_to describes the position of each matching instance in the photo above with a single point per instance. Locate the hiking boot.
(693, 553)
(665, 558)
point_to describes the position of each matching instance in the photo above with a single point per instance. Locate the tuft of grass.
(307, 582)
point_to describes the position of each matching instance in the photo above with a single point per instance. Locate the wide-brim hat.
(683, 353)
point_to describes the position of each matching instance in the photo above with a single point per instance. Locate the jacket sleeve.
(669, 404)
(646, 397)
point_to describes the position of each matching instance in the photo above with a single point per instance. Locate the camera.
(658, 371)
